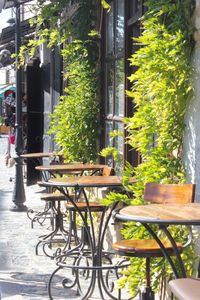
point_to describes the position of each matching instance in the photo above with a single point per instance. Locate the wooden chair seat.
(186, 288)
(82, 206)
(143, 248)
(53, 197)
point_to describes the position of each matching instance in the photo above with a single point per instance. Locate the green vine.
(161, 90)
(75, 121)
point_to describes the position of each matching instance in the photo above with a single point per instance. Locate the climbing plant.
(161, 90)
(72, 26)
(75, 120)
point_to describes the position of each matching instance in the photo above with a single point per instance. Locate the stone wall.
(191, 148)
(192, 131)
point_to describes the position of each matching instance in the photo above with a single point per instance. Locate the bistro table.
(88, 261)
(37, 156)
(53, 170)
(67, 168)
(163, 215)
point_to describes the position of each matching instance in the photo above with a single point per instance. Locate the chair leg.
(148, 280)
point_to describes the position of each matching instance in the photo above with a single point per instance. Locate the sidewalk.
(23, 275)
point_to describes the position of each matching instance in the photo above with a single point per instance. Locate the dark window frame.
(133, 10)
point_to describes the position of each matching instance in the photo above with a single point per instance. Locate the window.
(114, 74)
(120, 26)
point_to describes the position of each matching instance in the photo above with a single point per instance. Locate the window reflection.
(119, 144)
(109, 129)
(119, 88)
(109, 98)
(119, 140)
(119, 43)
(110, 31)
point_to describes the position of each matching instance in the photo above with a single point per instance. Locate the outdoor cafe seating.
(78, 249)
(149, 248)
(88, 260)
(51, 170)
(59, 234)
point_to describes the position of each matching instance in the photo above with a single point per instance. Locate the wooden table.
(88, 257)
(73, 168)
(38, 155)
(52, 170)
(88, 181)
(164, 215)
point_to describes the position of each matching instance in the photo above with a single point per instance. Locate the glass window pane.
(119, 43)
(109, 88)
(110, 31)
(119, 140)
(119, 88)
(108, 138)
(119, 144)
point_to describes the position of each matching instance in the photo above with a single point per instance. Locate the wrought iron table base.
(41, 216)
(84, 272)
(58, 236)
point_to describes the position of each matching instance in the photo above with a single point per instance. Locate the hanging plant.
(161, 90)
(75, 120)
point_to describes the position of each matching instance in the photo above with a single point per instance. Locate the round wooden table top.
(70, 167)
(87, 181)
(38, 155)
(187, 214)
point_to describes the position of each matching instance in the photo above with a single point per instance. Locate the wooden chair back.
(108, 171)
(169, 193)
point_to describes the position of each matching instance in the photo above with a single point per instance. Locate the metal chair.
(147, 248)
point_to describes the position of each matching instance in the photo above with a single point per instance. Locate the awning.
(5, 88)
(11, 3)
(7, 34)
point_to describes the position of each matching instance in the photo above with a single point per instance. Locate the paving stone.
(23, 275)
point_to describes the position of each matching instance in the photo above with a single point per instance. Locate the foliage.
(74, 122)
(75, 119)
(161, 89)
(105, 4)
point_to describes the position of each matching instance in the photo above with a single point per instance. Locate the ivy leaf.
(105, 5)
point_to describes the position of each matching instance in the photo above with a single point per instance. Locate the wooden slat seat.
(186, 288)
(82, 206)
(53, 197)
(144, 248)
